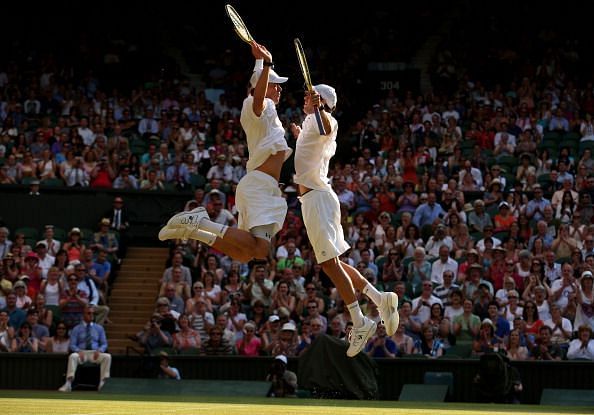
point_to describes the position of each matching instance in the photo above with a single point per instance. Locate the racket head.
(238, 24)
(303, 64)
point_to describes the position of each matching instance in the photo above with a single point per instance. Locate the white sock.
(356, 314)
(213, 227)
(203, 236)
(373, 294)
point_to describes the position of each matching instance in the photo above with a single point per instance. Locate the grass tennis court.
(50, 402)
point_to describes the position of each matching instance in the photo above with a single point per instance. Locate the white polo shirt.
(265, 134)
(313, 154)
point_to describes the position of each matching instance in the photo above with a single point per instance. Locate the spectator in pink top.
(250, 344)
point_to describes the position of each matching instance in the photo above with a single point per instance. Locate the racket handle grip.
(319, 121)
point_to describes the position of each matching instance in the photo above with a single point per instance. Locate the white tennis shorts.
(259, 202)
(321, 216)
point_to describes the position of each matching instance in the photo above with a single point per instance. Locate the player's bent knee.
(261, 249)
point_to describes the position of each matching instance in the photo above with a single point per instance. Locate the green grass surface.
(50, 402)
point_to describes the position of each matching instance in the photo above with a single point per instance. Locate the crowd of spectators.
(46, 284)
(473, 204)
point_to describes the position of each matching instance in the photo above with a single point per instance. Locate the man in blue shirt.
(428, 213)
(88, 344)
(381, 345)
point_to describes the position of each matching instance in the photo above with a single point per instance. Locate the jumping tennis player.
(321, 216)
(259, 201)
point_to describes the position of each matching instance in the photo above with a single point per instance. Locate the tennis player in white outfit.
(259, 201)
(321, 216)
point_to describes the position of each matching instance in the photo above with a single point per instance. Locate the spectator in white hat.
(260, 202)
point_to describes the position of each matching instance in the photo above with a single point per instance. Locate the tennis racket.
(308, 84)
(238, 24)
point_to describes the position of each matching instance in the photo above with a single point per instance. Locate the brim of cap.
(273, 78)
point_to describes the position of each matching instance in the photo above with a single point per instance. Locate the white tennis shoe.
(358, 337)
(175, 233)
(190, 218)
(67, 387)
(388, 310)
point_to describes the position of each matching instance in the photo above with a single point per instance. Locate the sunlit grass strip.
(41, 403)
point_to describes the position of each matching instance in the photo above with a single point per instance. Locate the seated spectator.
(544, 349)
(152, 337)
(53, 245)
(74, 245)
(23, 301)
(106, 240)
(166, 371)
(287, 341)
(212, 289)
(216, 345)
(237, 319)
(513, 309)
(59, 342)
(514, 348)
(466, 325)
(270, 332)
(72, 302)
(585, 301)
(39, 331)
(186, 338)
(583, 347)
(169, 291)
(222, 322)
(16, 316)
(444, 263)
(486, 341)
(6, 332)
(335, 329)
(561, 327)
(177, 261)
(24, 341)
(315, 324)
(404, 342)
(100, 272)
(381, 345)
(250, 344)
(201, 320)
(428, 345)
(125, 180)
(168, 316)
(282, 297)
(88, 344)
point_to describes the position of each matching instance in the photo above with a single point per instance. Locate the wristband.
(271, 64)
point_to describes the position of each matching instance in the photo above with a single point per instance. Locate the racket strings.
(238, 24)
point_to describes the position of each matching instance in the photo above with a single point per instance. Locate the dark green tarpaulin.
(325, 367)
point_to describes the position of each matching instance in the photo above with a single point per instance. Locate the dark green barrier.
(66, 208)
(47, 371)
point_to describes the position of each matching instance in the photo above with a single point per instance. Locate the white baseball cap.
(328, 94)
(273, 77)
(282, 358)
(289, 326)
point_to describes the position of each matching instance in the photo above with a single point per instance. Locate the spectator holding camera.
(421, 306)
(152, 336)
(102, 175)
(77, 175)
